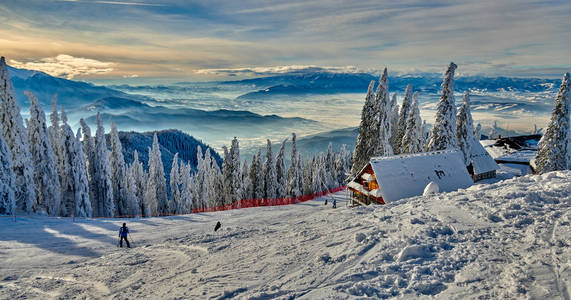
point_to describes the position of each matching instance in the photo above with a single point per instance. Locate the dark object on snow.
(218, 225)
(325, 201)
(523, 142)
(335, 203)
(123, 233)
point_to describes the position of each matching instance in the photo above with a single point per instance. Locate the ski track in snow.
(506, 240)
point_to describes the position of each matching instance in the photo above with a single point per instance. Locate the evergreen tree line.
(385, 129)
(53, 171)
(265, 177)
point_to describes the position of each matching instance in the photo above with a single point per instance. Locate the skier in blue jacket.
(123, 233)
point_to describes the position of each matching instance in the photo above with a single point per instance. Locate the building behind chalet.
(513, 152)
(483, 165)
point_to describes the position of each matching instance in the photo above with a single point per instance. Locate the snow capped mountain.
(71, 94)
(23, 73)
(306, 83)
(348, 83)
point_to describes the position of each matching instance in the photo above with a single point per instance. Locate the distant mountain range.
(71, 94)
(130, 111)
(145, 114)
(349, 83)
(306, 83)
(133, 115)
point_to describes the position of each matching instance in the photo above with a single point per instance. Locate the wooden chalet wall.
(366, 199)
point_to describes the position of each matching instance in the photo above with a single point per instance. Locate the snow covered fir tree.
(443, 133)
(46, 177)
(413, 138)
(7, 180)
(15, 136)
(375, 129)
(465, 129)
(553, 148)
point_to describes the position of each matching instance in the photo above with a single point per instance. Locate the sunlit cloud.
(66, 66)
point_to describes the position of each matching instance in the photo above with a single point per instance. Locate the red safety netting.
(246, 203)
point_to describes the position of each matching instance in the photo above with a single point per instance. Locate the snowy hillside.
(171, 142)
(492, 241)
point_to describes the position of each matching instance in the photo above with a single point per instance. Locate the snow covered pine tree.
(381, 126)
(443, 134)
(46, 177)
(16, 138)
(361, 154)
(269, 171)
(7, 179)
(465, 130)
(403, 118)
(552, 150)
(412, 140)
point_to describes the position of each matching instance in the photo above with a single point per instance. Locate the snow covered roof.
(516, 149)
(506, 154)
(404, 176)
(368, 177)
(354, 185)
(482, 161)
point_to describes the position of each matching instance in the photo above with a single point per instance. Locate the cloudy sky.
(200, 40)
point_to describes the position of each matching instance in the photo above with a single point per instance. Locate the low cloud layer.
(66, 66)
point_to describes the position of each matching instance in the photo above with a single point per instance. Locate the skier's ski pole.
(131, 238)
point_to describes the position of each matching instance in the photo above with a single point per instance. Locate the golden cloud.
(67, 66)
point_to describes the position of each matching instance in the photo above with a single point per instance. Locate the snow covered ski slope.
(505, 240)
